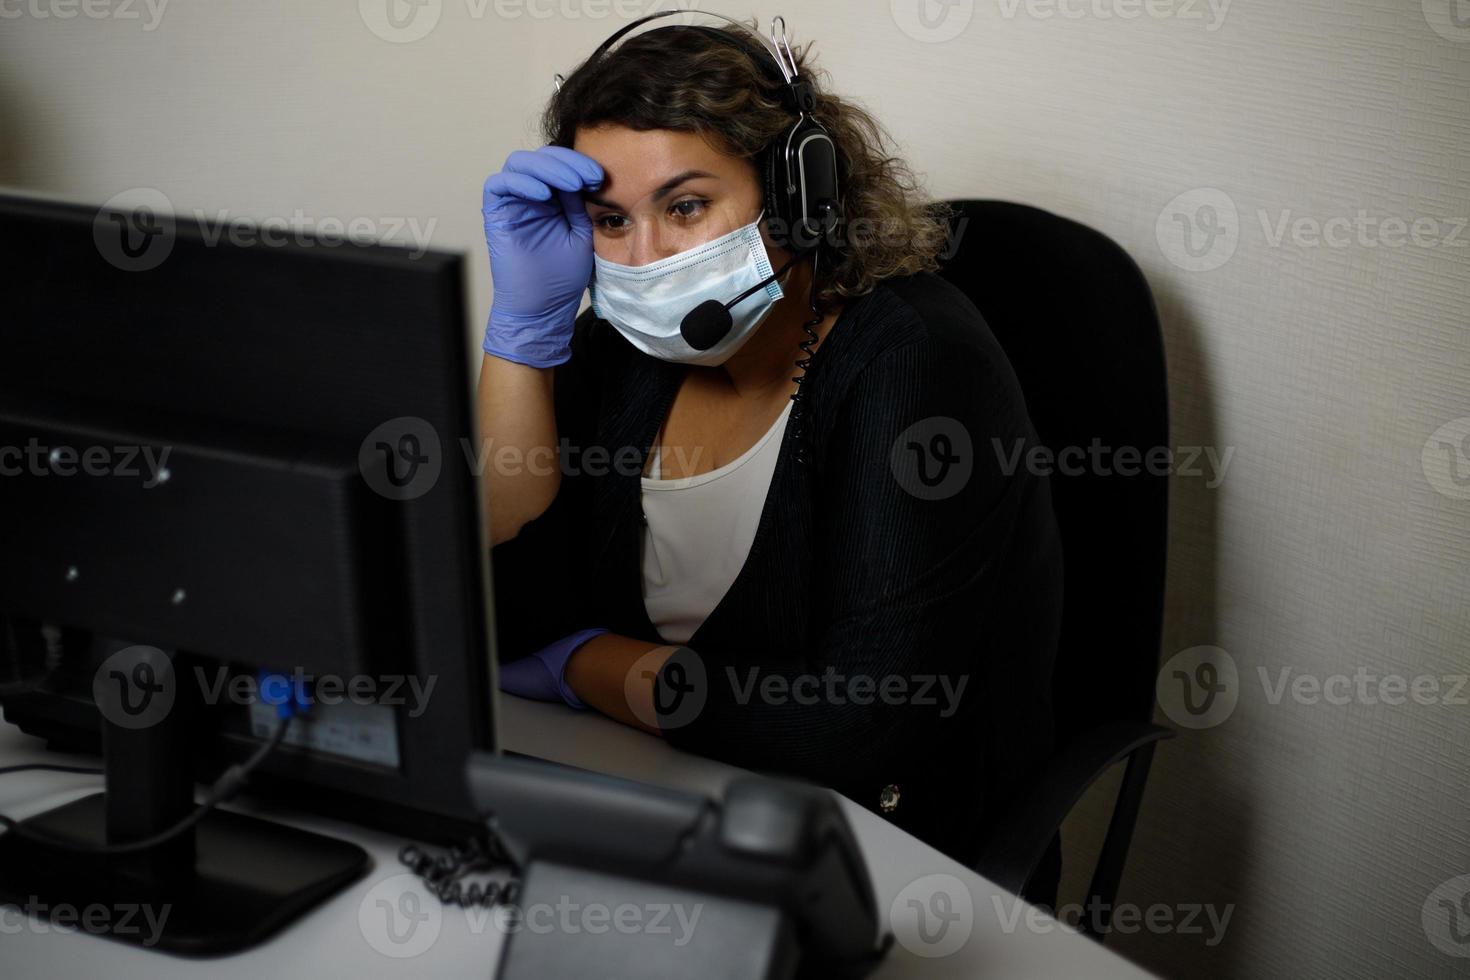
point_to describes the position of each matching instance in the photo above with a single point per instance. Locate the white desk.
(1002, 939)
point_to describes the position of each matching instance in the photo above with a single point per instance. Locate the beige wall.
(1325, 368)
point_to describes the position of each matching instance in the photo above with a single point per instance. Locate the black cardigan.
(857, 569)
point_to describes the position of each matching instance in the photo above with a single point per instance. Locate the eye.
(688, 208)
(603, 222)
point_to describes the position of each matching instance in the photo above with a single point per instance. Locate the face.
(665, 192)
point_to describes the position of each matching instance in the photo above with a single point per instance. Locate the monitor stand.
(226, 884)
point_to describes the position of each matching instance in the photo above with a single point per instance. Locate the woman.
(856, 589)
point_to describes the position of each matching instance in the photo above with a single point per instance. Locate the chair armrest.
(1019, 840)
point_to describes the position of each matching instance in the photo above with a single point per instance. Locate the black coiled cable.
(443, 875)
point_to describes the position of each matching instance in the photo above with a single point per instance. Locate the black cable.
(444, 875)
(48, 767)
(223, 789)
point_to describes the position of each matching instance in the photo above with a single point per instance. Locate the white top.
(698, 533)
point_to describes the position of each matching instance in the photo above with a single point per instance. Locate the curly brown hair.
(686, 80)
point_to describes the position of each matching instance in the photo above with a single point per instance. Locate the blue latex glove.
(540, 241)
(541, 675)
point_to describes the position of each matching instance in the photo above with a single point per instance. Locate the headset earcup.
(819, 164)
(810, 194)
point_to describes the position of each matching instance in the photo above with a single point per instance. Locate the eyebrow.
(663, 191)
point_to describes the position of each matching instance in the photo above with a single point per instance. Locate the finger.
(503, 186)
(545, 168)
(576, 212)
(589, 169)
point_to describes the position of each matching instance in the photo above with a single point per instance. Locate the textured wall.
(1338, 540)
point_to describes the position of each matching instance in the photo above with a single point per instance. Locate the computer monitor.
(233, 485)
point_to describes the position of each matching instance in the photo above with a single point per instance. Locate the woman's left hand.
(542, 675)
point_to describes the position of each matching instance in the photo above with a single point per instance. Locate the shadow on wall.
(17, 140)
(1187, 871)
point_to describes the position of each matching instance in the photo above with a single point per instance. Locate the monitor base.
(248, 878)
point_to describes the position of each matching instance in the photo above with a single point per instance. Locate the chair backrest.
(1077, 320)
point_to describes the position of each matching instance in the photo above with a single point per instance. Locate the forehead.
(637, 162)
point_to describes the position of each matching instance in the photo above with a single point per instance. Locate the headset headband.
(777, 47)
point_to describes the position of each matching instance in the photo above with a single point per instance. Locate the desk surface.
(999, 937)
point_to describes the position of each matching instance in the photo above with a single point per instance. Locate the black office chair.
(1078, 323)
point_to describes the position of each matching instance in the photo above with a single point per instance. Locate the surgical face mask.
(647, 303)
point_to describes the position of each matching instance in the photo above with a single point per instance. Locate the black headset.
(799, 172)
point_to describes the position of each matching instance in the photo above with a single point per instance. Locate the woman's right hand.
(540, 242)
